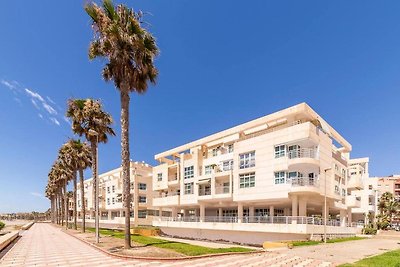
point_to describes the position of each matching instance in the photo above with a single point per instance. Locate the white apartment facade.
(110, 194)
(268, 176)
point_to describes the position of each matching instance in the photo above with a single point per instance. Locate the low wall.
(27, 226)
(6, 239)
(241, 237)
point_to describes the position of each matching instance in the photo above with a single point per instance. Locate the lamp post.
(96, 197)
(325, 215)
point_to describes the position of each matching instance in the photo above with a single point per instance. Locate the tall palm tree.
(130, 50)
(88, 117)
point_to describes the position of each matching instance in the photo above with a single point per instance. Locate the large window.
(280, 177)
(188, 189)
(113, 188)
(247, 180)
(159, 177)
(247, 160)
(189, 172)
(229, 213)
(142, 214)
(230, 148)
(208, 169)
(227, 165)
(280, 151)
(142, 186)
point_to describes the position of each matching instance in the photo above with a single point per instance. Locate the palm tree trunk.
(83, 206)
(95, 178)
(125, 163)
(62, 206)
(75, 200)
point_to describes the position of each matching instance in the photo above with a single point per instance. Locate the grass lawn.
(388, 259)
(186, 249)
(335, 240)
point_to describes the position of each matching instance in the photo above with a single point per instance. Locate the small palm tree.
(89, 119)
(130, 50)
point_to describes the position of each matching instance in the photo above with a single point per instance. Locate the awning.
(204, 181)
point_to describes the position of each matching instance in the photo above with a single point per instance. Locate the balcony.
(304, 184)
(353, 201)
(303, 156)
(166, 200)
(355, 182)
(205, 191)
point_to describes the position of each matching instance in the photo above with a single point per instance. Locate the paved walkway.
(45, 245)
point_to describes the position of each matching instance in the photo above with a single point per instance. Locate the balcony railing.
(222, 189)
(256, 219)
(304, 181)
(204, 191)
(302, 153)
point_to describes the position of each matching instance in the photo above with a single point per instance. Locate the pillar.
(160, 214)
(251, 211)
(174, 212)
(327, 211)
(240, 212)
(271, 213)
(109, 215)
(220, 214)
(294, 205)
(349, 216)
(202, 212)
(302, 206)
(286, 212)
(343, 218)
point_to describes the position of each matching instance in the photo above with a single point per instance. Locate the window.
(188, 189)
(291, 175)
(108, 201)
(229, 213)
(142, 199)
(280, 151)
(337, 189)
(132, 186)
(113, 200)
(215, 151)
(261, 212)
(370, 187)
(142, 186)
(113, 188)
(227, 165)
(189, 172)
(142, 214)
(247, 160)
(343, 192)
(159, 177)
(108, 189)
(208, 169)
(230, 148)
(247, 180)
(280, 177)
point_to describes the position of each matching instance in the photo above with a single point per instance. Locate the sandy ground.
(14, 225)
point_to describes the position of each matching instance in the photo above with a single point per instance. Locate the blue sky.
(222, 63)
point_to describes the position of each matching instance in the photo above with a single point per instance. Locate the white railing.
(302, 153)
(168, 195)
(256, 219)
(204, 191)
(222, 189)
(304, 181)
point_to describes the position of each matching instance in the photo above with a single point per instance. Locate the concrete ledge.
(27, 226)
(6, 239)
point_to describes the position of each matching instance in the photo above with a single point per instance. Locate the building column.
(202, 212)
(271, 213)
(220, 214)
(303, 206)
(174, 212)
(286, 212)
(109, 215)
(251, 211)
(349, 216)
(240, 212)
(343, 218)
(160, 214)
(327, 211)
(121, 213)
(294, 205)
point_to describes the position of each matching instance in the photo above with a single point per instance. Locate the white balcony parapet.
(304, 181)
(222, 189)
(302, 153)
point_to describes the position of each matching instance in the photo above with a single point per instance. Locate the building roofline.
(296, 109)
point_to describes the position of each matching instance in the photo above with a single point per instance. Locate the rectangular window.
(230, 148)
(280, 177)
(113, 188)
(208, 169)
(229, 213)
(142, 214)
(343, 192)
(247, 160)
(261, 212)
(108, 189)
(108, 201)
(132, 186)
(159, 177)
(142, 186)
(188, 189)
(215, 151)
(142, 199)
(247, 180)
(227, 165)
(280, 151)
(113, 200)
(189, 172)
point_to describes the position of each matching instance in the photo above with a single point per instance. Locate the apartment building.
(269, 176)
(389, 184)
(110, 194)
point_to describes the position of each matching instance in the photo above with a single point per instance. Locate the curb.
(127, 257)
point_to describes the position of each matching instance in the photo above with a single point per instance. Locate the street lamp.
(325, 215)
(96, 198)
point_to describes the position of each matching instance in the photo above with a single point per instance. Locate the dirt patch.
(116, 245)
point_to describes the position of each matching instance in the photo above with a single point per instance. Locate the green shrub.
(369, 231)
(2, 225)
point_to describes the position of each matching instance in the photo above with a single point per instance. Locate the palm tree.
(89, 119)
(130, 50)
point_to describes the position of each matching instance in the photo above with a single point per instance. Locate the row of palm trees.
(389, 209)
(129, 50)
